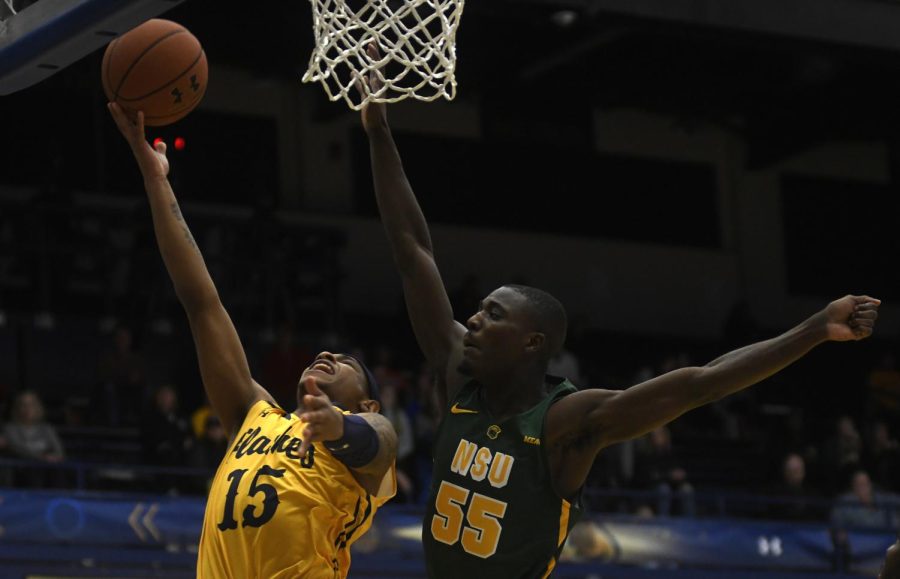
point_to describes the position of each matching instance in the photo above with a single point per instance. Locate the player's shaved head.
(547, 314)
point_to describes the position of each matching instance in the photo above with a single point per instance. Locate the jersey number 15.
(270, 498)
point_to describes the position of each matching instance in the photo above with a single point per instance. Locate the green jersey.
(492, 510)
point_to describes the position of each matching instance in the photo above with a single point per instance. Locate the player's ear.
(370, 406)
(535, 342)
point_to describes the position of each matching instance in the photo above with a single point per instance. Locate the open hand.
(323, 421)
(152, 161)
(851, 318)
(374, 115)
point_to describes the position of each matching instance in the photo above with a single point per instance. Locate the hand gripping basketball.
(152, 161)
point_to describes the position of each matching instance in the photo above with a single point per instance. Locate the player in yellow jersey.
(294, 490)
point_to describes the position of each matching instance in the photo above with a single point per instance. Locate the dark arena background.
(687, 176)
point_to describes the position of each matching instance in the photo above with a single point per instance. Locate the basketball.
(158, 67)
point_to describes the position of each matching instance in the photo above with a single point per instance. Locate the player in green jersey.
(515, 445)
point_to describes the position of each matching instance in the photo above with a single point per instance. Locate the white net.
(417, 40)
(7, 10)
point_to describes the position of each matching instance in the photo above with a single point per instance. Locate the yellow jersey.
(272, 513)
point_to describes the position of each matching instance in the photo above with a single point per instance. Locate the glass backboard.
(40, 37)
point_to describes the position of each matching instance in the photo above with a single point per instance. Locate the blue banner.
(711, 543)
(99, 519)
(42, 529)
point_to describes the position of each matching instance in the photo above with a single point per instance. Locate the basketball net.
(7, 10)
(417, 40)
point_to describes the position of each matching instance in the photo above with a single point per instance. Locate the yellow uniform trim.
(563, 533)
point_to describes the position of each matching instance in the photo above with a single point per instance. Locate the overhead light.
(564, 18)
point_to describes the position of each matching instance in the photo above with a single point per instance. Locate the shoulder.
(261, 410)
(571, 409)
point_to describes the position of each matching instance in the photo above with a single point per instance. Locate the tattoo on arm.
(189, 237)
(176, 211)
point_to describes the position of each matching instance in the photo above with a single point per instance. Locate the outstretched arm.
(438, 334)
(580, 425)
(223, 364)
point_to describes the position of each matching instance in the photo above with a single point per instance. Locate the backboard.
(39, 38)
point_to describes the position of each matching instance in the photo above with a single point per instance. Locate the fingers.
(313, 403)
(866, 299)
(304, 446)
(312, 387)
(317, 414)
(372, 51)
(362, 86)
(132, 130)
(309, 432)
(869, 314)
(862, 320)
(374, 82)
(315, 421)
(119, 117)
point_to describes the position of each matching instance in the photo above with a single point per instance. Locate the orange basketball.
(159, 68)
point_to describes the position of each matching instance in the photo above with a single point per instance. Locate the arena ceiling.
(782, 89)
(784, 74)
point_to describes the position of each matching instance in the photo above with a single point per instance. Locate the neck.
(513, 394)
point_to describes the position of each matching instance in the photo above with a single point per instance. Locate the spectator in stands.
(865, 508)
(121, 392)
(424, 408)
(793, 486)
(165, 434)
(391, 409)
(658, 468)
(6, 479)
(387, 371)
(842, 453)
(208, 449)
(282, 363)
(199, 417)
(861, 509)
(29, 436)
(565, 363)
(425, 412)
(882, 457)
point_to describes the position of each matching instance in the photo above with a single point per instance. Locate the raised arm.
(581, 424)
(438, 334)
(223, 364)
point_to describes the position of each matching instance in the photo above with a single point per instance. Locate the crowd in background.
(845, 477)
(121, 386)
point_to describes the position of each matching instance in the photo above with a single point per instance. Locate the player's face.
(497, 335)
(340, 377)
